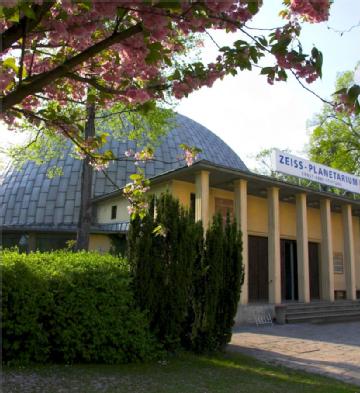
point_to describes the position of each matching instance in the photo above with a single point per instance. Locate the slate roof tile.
(30, 197)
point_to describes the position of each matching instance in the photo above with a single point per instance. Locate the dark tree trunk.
(85, 215)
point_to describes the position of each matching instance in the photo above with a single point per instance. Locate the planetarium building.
(299, 244)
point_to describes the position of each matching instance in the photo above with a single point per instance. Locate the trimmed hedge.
(71, 307)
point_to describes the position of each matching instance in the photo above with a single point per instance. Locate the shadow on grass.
(220, 373)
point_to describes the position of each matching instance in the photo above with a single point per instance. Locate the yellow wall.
(103, 210)
(287, 221)
(338, 247)
(314, 225)
(356, 226)
(257, 220)
(182, 191)
(257, 216)
(100, 243)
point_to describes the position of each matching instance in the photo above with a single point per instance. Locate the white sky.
(250, 115)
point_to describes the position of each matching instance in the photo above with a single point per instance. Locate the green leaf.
(267, 70)
(354, 92)
(341, 91)
(135, 176)
(253, 7)
(10, 63)
(27, 10)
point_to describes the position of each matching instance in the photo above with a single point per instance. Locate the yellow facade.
(100, 243)
(257, 213)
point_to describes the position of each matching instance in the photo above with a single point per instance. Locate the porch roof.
(223, 178)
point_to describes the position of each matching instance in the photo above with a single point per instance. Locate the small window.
(223, 206)
(192, 203)
(113, 212)
(338, 263)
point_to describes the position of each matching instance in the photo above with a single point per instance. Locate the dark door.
(289, 270)
(314, 273)
(258, 269)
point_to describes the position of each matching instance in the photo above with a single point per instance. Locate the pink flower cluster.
(314, 11)
(140, 156)
(192, 82)
(302, 69)
(135, 194)
(6, 77)
(189, 157)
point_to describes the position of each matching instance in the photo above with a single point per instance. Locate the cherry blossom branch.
(110, 179)
(14, 33)
(38, 82)
(93, 82)
(342, 32)
(23, 44)
(67, 99)
(310, 91)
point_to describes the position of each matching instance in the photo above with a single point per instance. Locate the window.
(338, 263)
(192, 204)
(223, 206)
(113, 212)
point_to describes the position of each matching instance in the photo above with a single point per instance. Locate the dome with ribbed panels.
(30, 199)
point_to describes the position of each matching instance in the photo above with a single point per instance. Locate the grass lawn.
(184, 374)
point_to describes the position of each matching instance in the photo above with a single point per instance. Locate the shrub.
(71, 307)
(190, 286)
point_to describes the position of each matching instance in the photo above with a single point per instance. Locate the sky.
(248, 113)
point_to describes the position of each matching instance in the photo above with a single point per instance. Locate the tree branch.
(38, 82)
(93, 82)
(14, 33)
(23, 43)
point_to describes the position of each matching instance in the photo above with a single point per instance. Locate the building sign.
(291, 165)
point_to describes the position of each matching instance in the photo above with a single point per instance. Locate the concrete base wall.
(246, 314)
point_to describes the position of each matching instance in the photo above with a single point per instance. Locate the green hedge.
(189, 285)
(71, 307)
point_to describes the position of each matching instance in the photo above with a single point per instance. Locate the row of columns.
(302, 239)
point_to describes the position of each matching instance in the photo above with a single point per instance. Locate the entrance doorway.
(258, 269)
(314, 271)
(289, 271)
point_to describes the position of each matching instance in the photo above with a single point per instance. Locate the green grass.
(183, 374)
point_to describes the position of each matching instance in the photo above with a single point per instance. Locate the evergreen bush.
(71, 307)
(189, 285)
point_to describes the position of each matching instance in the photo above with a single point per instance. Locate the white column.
(327, 259)
(349, 252)
(240, 191)
(274, 246)
(302, 245)
(202, 198)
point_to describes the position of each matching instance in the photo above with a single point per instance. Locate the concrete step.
(294, 313)
(322, 309)
(326, 318)
(322, 305)
(323, 312)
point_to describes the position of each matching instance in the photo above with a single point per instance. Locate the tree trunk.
(85, 214)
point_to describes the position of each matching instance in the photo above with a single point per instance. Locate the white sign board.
(295, 166)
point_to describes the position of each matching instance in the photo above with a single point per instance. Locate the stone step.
(325, 318)
(294, 313)
(322, 309)
(323, 305)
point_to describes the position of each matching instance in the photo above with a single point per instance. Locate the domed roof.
(29, 198)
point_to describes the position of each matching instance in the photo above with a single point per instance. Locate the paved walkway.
(331, 349)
